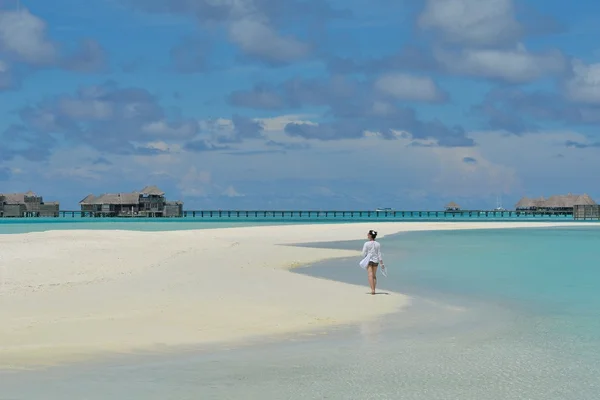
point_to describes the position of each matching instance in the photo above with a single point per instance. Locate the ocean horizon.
(496, 314)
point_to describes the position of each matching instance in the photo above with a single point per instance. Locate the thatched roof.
(556, 201)
(525, 202)
(122, 198)
(89, 199)
(584, 200)
(14, 198)
(561, 201)
(152, 191)
(452, 205)
(117, 198)
(539, 202)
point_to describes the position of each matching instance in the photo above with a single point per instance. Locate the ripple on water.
(409, 356)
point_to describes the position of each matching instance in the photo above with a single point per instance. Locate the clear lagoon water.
(148, 225)
(24, 225)
(496, 314)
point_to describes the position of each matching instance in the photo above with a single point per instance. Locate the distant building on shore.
(28, 204)
(149, 202)
(554, 203)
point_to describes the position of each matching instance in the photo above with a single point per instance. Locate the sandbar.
(69, 295)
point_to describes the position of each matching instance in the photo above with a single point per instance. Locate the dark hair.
(373, 233)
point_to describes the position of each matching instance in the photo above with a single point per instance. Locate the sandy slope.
(68, 295)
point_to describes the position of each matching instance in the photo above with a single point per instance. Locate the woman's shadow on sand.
(376, 293)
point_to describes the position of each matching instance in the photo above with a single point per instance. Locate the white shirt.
(372, 248)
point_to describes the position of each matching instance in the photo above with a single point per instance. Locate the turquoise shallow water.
(11, 226)
(523, 324)
(550, 275)
(549, 270)
(24, 225)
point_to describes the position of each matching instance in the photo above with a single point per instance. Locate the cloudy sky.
(301, 103)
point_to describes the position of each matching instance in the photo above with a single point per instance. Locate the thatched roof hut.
(525, 203)
(152, 191)
(539, 202)
(14, 198)
(150, 201)
(452, 206)
(89, 199)
(122, 198)
(117, 198)
(584, 200)
(19, 198)
(561, 201)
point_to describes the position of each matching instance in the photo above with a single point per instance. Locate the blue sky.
(301, 103)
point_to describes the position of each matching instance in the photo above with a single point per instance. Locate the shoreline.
(31, 225)
(72, 295)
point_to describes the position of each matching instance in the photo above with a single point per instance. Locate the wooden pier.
(316, 214)
(333, 214)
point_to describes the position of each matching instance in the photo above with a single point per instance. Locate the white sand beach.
(72, 295)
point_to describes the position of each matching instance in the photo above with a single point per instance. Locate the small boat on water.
(384, 209)
(499, 204)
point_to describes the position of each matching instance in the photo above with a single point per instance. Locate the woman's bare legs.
(372, 277)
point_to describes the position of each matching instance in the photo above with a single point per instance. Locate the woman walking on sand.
(372, 257)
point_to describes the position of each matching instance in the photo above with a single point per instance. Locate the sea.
(495, 314)
(70, 221)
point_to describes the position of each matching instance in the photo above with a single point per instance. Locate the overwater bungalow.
(148, 202)
(28, 204)
(556, 203)
(452, 206)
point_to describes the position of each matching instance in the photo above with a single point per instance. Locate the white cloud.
(258, 39)
(6, 78)
(545, 165)
(408, 87)
(273, 128)
(221, 124)
(83, 173)
(230, 191)
(501, 164)
(584, 85)
(515, 66)
(456, 178)
(195, 183)
(164, 129)
(164, 146)
(383, 108)
(266, 99)
(323, 191)
(277, 124)
(87, 109)
(24, 35)
(160, 160)
(472, 22)
(74, 164)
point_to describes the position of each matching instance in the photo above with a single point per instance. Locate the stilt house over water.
(563, 203)
(26, 205)
(149, 202)
(452, 206)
